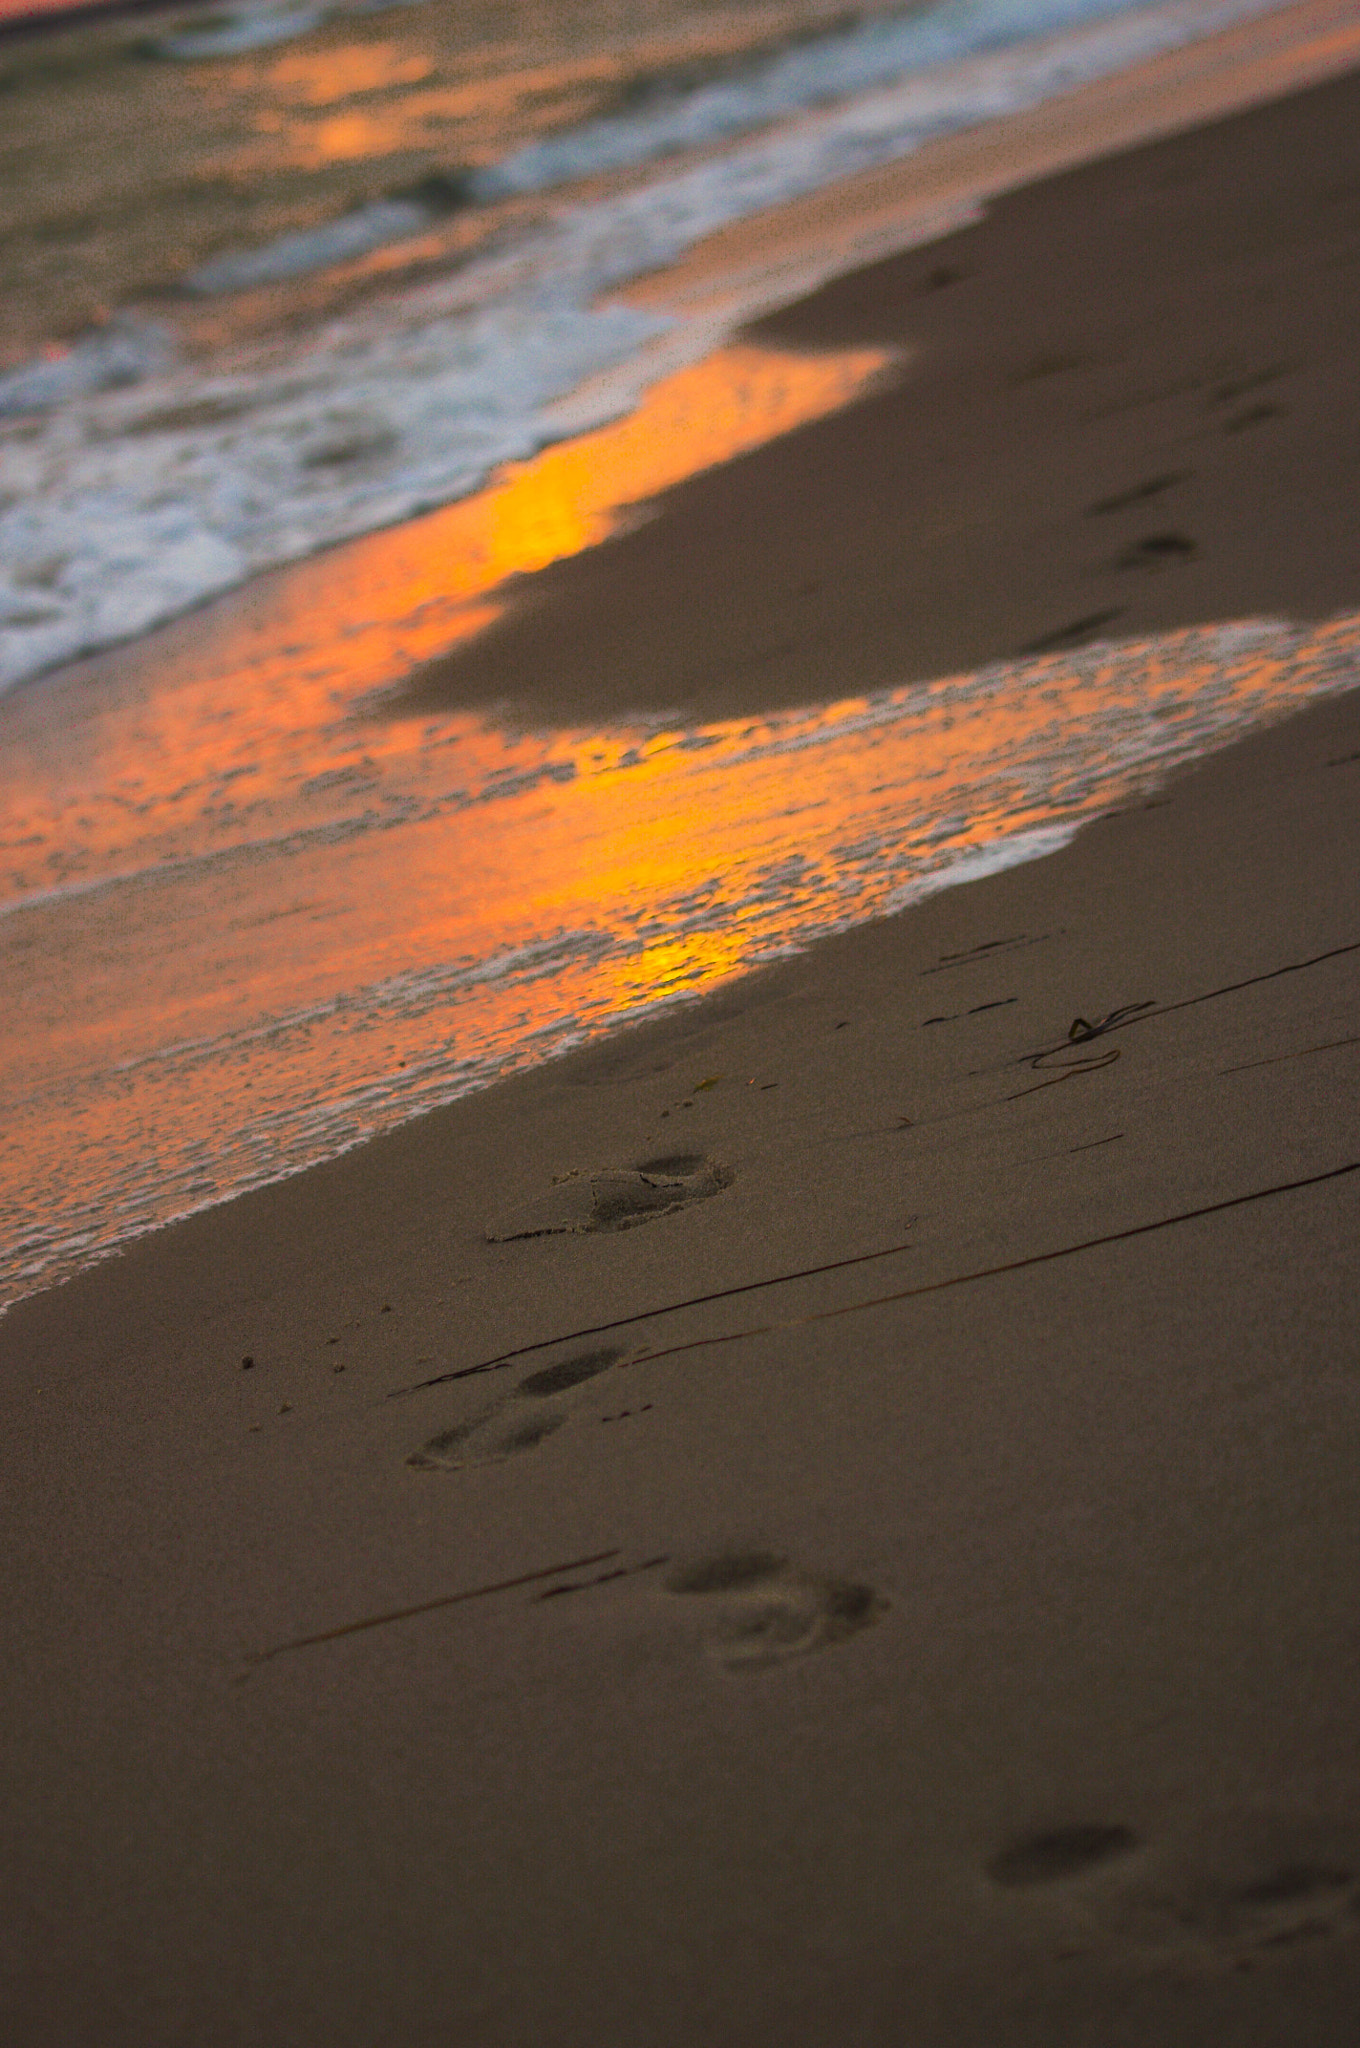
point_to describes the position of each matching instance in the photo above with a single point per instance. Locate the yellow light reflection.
(220, 739)
(317, 78)
(479, 111)
(571, 496)
(321, 985)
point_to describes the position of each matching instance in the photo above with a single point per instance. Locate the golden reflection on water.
(318, 77)
(188, 745)
(247, 927)
(571, 497)
(416, 116)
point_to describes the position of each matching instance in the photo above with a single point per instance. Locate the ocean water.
(362, 330)
(166, 453)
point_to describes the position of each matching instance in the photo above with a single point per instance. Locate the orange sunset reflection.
(249, 927)
(245, 730)
(315, 78)
(414, 115)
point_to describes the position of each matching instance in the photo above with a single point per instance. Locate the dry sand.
(954, 1644)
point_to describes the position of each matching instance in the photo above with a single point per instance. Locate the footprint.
(766, 1610)
(614, 1198)
(1244, 1909)
(487, 1438)
(506, 1428)
(1155, 550)
(1253, 416)
(567, 1373)
(1234, 388)
(1232, 1893)
(1059, 1853)
(1140, 493)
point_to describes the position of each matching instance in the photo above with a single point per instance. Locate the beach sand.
(903, 1589)
(1127, 403)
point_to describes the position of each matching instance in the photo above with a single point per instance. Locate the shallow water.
(329, 295)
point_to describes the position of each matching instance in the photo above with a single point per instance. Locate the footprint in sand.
(613, 1198)
(1139, 494)
(1243, 1903)
(761, 1609)
(1155, 550)
(1058, 1853)
(519, 1421)
(1234, 1894)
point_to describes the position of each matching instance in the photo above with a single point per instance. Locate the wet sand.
(831, 1518)
(1118, 390)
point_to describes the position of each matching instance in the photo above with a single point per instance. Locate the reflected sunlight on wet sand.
(254, 924)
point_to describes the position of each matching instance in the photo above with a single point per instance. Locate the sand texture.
(1128, 403)
(832, 1519)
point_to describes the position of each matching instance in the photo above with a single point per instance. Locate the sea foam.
(133, 487)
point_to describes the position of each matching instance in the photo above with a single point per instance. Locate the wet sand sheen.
(963, 1654)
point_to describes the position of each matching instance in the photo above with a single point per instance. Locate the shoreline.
(1084, 442)
(881, 212)
(190, 504)
(831, 1516)
(995, 498)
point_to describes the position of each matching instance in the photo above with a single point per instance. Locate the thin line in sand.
(467, 1372)
(371, 1621)
(1300, 1052)
(1066, 1251)
(1121, 1021)
(1072, 1070)
(354, 1628)
(1142, 1013)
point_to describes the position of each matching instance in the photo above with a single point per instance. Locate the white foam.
(122, 507)
(339, 241)
(242, 29)
(257, 25)
(127, 351)
(872, 54)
